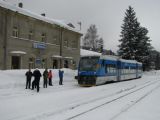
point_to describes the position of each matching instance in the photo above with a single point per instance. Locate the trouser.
(61, 80)
(28, 83)
(33, 84)
(45, 83)
(50, 81)
(37, 84)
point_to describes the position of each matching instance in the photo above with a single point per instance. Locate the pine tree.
(143, 46)
(135, 44)
(157, 61)
(127, 48)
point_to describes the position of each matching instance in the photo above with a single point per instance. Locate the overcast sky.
(107, 15)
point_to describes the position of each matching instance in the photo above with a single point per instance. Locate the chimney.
(43, 14)
(20, 5)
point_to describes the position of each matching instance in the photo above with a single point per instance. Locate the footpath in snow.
(129, 100)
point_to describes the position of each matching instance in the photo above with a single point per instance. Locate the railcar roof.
(128, 61)
(114, 58)
(109, 57)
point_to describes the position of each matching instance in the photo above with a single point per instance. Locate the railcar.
(95, 70)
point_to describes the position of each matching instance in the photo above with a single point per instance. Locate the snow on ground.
(129, 100)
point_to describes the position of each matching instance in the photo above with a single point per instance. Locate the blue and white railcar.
(96, 70)
(127, 69)
(106, 70)
(139, 70)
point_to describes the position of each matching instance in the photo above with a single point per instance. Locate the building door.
(55, 64)
(65, 64)
(16, 62)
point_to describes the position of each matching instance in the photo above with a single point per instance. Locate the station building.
(29, 40)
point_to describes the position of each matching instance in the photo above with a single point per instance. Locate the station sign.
(39, 45)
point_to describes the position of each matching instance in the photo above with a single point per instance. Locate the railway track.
(57, 114)
(129, 92)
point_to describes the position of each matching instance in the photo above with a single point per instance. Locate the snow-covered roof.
(56, 56)
(68, 57)
(109, 57)
(36, 16)
(88, 53)
(18, 52)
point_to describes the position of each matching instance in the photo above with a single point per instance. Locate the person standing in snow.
(50, 77)
(37, 75)
(28, 78)
(61, 77)
(45, 78)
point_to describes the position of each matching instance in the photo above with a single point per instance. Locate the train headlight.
(97, 66)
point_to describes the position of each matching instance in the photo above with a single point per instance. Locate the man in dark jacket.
(61, 77)
(45, 78)
(37, 76)
(28, 78)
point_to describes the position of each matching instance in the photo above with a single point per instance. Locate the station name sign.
(39, 45)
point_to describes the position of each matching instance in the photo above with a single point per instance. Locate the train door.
(16, 60)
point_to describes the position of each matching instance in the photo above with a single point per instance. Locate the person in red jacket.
(50, 77)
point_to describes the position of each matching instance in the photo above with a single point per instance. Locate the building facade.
(29, 41)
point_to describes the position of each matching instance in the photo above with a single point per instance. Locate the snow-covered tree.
(143, 46)
(157, 61)
(91, 39)
(101, 44)
(134, 42)
(128, 35)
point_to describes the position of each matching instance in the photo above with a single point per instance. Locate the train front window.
(88, 63)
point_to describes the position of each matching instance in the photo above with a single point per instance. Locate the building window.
(66, 42)
(43, 37)
(15, 32)
(74, 44)
(30, 36)
(55, 40)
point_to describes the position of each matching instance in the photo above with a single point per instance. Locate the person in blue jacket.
(61, 77)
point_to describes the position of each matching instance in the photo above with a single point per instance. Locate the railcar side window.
(110, 68)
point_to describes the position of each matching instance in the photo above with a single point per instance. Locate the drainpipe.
(61, 45)
(5, 41)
